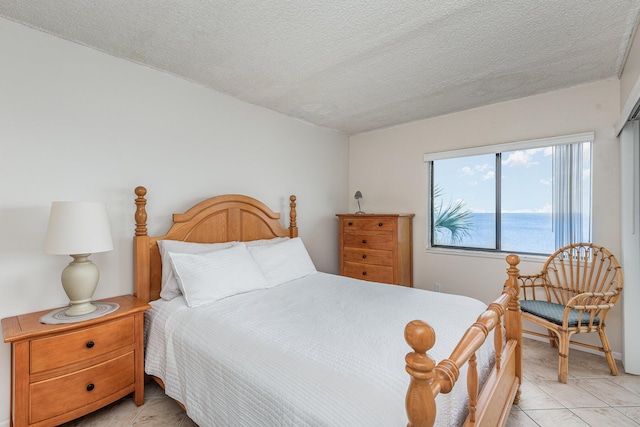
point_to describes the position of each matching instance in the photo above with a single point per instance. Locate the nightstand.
(61, 372)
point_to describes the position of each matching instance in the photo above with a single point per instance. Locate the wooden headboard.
(226, 218)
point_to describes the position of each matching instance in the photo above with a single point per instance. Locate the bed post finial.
(141, 212)
(512, 285)
(420, 402)
(293, 225)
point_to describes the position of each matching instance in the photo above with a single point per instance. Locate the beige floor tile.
(532, 397)
(598, 417)
(538, 371)
(120, 413)
(519, 418)
(160, 412)
(588, 365)
(612, 393)
(570, 395)
(540, 360)
(188, 422)
(632, 412)
(152, 390)
(630, 382)
(555, 418)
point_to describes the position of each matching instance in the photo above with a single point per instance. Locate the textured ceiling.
(355, 65)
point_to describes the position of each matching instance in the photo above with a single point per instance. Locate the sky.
(526, 180)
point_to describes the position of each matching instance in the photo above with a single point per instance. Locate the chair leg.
(552, 339)
(563, 357)
(606, 348)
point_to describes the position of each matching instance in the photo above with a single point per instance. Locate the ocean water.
(521, 232)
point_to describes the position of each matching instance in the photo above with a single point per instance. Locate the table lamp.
(78, 229)
(358, 197)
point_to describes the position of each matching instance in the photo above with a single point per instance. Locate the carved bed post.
(293, 225)
(141, 276)
(513, 317)
(420, 402)
(141, 211)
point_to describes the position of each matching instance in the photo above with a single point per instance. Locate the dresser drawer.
(59, 395)
(368, 256)
(370, 240)
(369, 224)
(66, 349)
(372, 273)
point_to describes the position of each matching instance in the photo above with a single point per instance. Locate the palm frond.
(455, 218)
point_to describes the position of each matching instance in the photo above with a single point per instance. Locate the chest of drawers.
(61, 372)
(377, 247)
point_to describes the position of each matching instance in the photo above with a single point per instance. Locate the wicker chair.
(573, 294)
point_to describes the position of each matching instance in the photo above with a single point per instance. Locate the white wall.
(76, 124)
(387, 166)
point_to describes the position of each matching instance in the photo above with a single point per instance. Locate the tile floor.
(592, 397)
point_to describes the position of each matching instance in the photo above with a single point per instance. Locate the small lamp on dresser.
(358, 197)
(78, 229)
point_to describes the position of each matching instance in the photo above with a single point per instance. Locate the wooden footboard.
(491, 405)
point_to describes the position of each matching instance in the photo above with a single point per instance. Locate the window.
(528, 197)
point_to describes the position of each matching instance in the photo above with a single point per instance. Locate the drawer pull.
(364, 241)
(379, 224)
(90, 387)
(364, 256)
(350, 223)
(364, 273)
(90, 344)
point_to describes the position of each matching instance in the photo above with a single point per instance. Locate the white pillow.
(215, 275)
(284, 261)
(169, 287)
(265, 242)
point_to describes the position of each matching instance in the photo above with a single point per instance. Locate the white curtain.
(568, 203)
(630, 243)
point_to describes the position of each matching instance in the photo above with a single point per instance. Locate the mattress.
(323, 350)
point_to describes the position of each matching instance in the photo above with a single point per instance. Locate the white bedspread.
(323, 350)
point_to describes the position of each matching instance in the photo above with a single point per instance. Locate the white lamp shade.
(78, 228)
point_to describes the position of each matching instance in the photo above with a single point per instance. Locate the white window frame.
(492, 149)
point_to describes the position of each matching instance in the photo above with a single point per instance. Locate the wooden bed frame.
(242, 218)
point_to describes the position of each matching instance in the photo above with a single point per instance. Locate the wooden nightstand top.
(27, 326)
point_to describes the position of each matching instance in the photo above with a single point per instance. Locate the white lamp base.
(79, 280)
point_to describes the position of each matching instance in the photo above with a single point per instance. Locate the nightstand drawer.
(368, 240)
(369, 224)
(66, 349)
(368, 256)
(372, 273)
(66, 393)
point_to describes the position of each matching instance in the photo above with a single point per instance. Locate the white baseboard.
(4, 423)
(616, 355)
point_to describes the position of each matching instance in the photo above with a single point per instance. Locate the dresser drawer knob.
(90, 387)
(350, 223)
(379, 224)
(364, 273)
(90, 344)
(364, 256)
(364, 241)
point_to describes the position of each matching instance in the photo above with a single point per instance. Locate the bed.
(292, 346)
